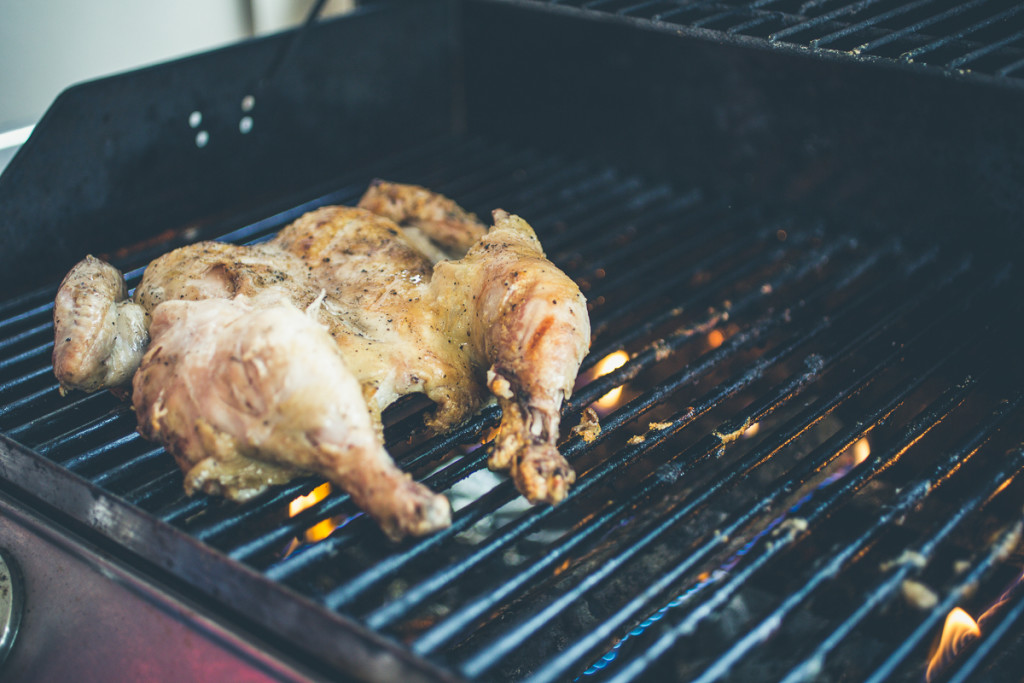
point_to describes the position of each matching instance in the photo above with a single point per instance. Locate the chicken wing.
(99, 336)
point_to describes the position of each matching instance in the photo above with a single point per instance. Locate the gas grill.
(797, 225)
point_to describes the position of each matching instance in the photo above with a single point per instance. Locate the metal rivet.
(245, 125)
(195, 118)
(248, 102)
(202, 137)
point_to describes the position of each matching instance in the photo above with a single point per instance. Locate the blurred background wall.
(47, 45)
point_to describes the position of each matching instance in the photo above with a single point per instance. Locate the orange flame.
(861, 450)
(957, 632)
(609, 363)
(321, 530)
(308, 500)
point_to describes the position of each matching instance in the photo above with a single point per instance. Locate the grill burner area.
(813, 458)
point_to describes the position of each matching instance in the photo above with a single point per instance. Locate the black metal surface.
(690, 547)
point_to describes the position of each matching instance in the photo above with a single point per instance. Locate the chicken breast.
(392, 317)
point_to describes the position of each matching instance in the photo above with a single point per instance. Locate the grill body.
(808, 256)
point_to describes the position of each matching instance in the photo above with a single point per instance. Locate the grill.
(810, 387)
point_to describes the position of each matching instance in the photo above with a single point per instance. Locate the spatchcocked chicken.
(256, 364)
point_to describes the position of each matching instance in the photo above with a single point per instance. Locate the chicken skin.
(233, 359)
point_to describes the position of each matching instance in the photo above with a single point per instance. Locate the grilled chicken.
(403, 318)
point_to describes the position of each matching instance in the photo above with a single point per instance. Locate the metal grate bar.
(927, 626)
(33, 352)
(757, 21)
(26, 400)
(734, 275)
(110, 474)
(602, 321)
(986, 50)
(36, 310)
(571, 656)
(47, 421)
(784, 23)
(22, 379)
(1010, 68)
(84, 430)
(921, 425)
(23, 335)
(845, 10)
(159, 488)
(839, 560)
(965, 31)
(868, 23)
(600, 238)
(890, 586)
(744, 10)
(602, 384)
(914, 28)
(83, 458)
(989, 645)
(686, 7)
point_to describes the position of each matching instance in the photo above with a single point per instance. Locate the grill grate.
(976, 37)
(727, 521)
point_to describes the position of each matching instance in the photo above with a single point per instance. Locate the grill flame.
(861, 450)
(610, 363)
(309, 500)
(321, 529)
(960, 629)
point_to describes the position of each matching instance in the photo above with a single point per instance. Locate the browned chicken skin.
(401, 319)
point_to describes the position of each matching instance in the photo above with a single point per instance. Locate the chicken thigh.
(222, 388)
